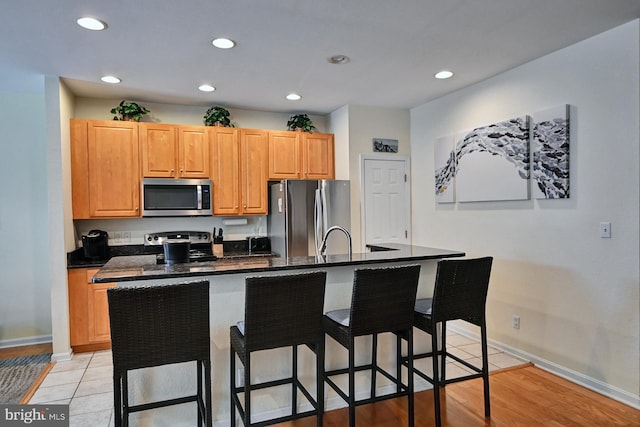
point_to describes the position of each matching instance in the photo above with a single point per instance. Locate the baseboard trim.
(20, 342)
(575, 377)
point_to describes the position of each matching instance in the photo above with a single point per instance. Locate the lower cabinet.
(88, 311)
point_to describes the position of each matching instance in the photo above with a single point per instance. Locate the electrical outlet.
(117, 237)
(126, 236)
(605, 230)
(516, 322)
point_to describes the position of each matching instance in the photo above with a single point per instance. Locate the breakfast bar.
(227, 279)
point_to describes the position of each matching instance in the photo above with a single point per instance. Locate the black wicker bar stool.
(160, 325)
(382, 301)
(460, 293)
(280, 311)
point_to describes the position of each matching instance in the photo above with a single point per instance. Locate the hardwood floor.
(522, 396)
(26, 350)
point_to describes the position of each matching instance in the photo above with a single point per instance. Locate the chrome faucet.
(323, 245)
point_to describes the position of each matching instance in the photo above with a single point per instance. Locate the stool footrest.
(162, 403)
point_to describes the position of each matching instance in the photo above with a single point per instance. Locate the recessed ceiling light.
(110, 79)
(91, 23)
(339, 59)
(206, 88)
(293, 97)
(223, 43)
(444, 74)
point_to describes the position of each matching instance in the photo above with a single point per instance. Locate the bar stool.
(382, 301)
(460, 293)
(160, 325)
(280, 311)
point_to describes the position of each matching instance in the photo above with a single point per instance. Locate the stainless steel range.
(197, 243)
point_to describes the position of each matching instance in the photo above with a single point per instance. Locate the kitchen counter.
(144, 267)
(227, 279)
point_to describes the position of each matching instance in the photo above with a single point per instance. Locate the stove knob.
(149, 238)
(155, 238)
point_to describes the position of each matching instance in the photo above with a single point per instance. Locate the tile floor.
(85, 382)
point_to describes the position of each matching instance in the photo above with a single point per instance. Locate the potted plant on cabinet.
(217, 116)
(300, 122)
(128, 110)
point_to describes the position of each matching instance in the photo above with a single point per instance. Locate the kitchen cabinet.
(88, 311)
(170, 151)
(240, 159)
(301, 155)
(105, 176)
(318, 158)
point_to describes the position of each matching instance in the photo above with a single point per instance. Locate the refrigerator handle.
(325, 218)
(317, 226)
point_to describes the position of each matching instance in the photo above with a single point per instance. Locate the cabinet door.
(159, 148)
(285, 159)
(254, 168)
(99, 329)
(193, 152)
(79, 169)
(114, 178)
(318, 156)
(78, 311)
(226, 171)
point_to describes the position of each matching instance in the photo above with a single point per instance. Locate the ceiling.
(161, 49)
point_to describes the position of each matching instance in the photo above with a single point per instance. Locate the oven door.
(176, 197)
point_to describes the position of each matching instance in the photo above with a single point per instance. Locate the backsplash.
(131, 231)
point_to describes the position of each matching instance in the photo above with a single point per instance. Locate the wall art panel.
(445, 167)
(492, 162)
(550, 153)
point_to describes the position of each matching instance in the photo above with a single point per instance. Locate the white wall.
(99, 109)
(577, 294)
(365, 124)
(59, 109)
(25, 314)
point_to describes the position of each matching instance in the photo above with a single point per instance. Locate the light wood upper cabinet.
(226, 171)
(318, 156)
(301, 155)
(159, 147)
(105, 169)
(285, 159)
(193, 152)
(254, 171)
(170, 151)
(240, 171)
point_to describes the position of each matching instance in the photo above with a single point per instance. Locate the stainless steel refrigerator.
(300, 213)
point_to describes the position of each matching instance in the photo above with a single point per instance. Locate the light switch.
(605, 230)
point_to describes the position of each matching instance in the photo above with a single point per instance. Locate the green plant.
(128, 110)
(218, 115)
(300, 121)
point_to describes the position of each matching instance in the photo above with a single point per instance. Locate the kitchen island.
(226, 278)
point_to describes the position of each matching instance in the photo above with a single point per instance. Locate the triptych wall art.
(493, 163)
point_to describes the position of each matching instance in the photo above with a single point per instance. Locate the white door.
(385, 215)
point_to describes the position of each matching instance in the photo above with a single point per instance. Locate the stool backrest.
(283, 310)
(158, 325)
(383, 299)
(461, 290)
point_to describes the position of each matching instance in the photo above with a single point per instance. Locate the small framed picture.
(381, 145)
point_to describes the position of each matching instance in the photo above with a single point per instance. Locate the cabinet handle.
(137, 209)
(245, 206)
(237, 206)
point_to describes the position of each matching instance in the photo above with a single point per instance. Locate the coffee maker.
(96, 245)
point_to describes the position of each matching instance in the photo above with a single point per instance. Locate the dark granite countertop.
(144, 267)
(76, 259)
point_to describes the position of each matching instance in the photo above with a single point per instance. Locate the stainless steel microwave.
(176, 197)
